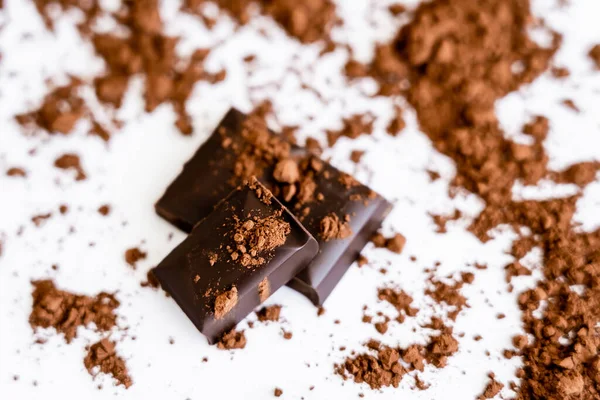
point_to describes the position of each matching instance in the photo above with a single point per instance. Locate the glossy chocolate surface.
(201, 267)
(209, 175)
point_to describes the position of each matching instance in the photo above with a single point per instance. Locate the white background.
(131, 172)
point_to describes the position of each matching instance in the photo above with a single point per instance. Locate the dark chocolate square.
(217, 167)
(203, 269)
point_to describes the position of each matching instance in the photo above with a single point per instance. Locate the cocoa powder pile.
(103, 358)
(145, 50)
(306, 20)
(256, 238)
(458, 58)
(65, 311)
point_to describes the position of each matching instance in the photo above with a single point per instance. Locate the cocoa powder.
(133, 255)
(66, 312)
(71, 161)
(456, 57)
(308, 21)
(232, 340)
(102, 358)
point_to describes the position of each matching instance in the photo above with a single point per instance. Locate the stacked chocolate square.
(260, 213)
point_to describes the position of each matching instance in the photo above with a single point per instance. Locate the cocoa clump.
(332, 227)
(270, 313)
(16, 172)
(395, 244)
(225, 302)
(453, 62)
(308, 21)
(353, 127)
(232, 340)
(102, 358)
(65, 312)
(594, 55)
(256, 238)
(71, 161)
(492, 389)
(133, 255)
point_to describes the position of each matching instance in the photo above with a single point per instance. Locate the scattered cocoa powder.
(441, 220)
(39, 219)
(452, 62)
(332, 227)
(59, 112)
(102, 358)
(395, 244)
(133, 255)
(232, 340)
(492, 389)
(356, 156)
(264, 289)
(397, 123)
(448, 293)
(594, 54)
(352, 127)
(382, 369)
(151, 280)
(65, 312)
(400, 300)
(308, 21)
(71, 161)
(145, 50)
(256, 238)
(225, 302)
(16, 172)
(270, 313)
(104, 210)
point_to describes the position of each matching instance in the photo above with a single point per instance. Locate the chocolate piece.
(338, 211)
(234, 258)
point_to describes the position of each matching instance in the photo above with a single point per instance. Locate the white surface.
(131, 172)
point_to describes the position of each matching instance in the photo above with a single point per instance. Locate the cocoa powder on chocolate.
(102, 358)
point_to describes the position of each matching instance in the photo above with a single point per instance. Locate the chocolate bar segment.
(233, 259)
(342, 214)
(236, 151)
(338, 211)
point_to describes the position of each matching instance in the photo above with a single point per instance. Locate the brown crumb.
(232, 340)
(264, 289)
(594, 55)
(270, 313)
(396, 243)
(356, 155)
(151, 280)
(71, 161)
(16, 172)
(277, 392)
(102, 358)
(225, 302)
(353, 127)
(104, 210)
(492, 389)
(133, 255)
(66, 311)
(39, 219)
(362, 261)
(333, 228)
